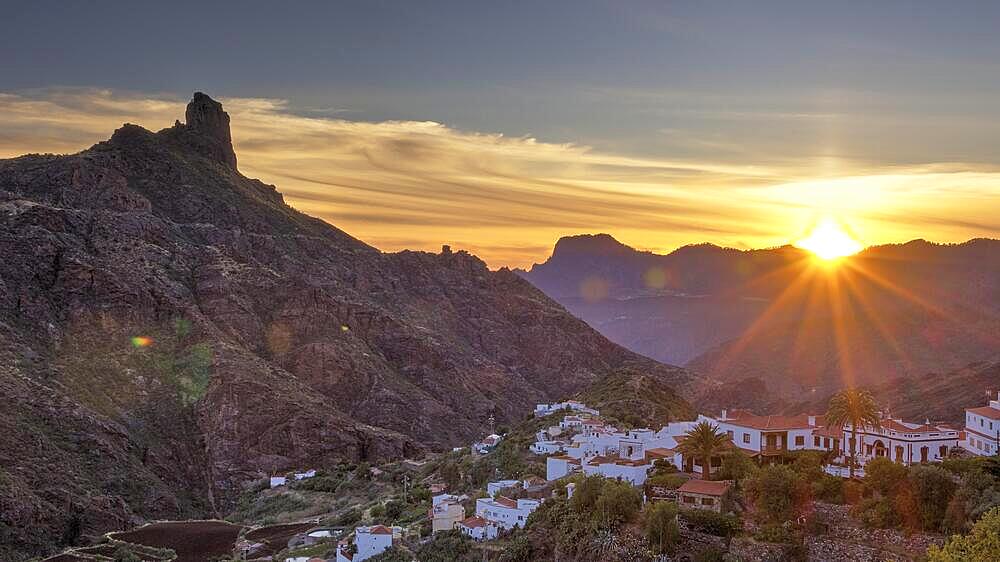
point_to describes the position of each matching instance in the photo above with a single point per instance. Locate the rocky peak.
(206, 117)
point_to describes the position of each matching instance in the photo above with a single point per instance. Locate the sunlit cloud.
(418, 185)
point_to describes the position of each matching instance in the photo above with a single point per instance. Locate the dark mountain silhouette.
(779, 318)
(170, 329)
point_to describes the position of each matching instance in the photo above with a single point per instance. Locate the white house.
(445, 514)
(547, 447)
(982, 429)
(303, 475)
(903, 442)
(558, 466)
(278, 481)
(494, 488)
(774, 435)
(368, 542)
(547, 409)
(489, 443)
(478, 528)
(505, 512)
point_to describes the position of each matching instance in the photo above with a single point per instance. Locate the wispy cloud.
(412, 184)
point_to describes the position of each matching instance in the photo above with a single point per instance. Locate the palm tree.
(703, 441)
(856, 407)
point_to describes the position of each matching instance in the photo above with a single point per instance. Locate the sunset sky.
(499, 127)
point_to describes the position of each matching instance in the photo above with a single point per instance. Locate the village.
(853, 483)
(582, 444)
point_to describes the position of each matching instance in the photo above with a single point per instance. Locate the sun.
(829, 241)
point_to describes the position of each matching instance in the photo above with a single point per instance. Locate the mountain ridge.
(195, 333)
(773, 314)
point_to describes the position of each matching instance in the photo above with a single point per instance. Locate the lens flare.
(829, 241)
(141, 341)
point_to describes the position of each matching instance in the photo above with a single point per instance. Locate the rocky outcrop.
(195, 333)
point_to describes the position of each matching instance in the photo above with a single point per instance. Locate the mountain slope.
(780, 318)
(180, 330)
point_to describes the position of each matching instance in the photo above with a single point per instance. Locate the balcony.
(770, 450)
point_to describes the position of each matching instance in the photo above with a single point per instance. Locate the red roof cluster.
(705, 487)
(776, 423)
(505, 501)
(985, 411)
(473, 522)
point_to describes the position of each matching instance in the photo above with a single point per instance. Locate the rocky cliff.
(170, 329)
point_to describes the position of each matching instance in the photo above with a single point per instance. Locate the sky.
(498, 127)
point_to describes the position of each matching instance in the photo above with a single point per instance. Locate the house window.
(800, 440)
(816, 441)
(746, 437)
(689, 499)
(707, 501)
(826, 442)
(729, 432)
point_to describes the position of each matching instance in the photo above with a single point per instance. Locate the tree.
(855, 407)
(586, 493)
(884, 476)
(777, 492)
(661, 528)
(618, 503)
(981, 545)
(737, 466)
(933, 489)
(704, 441)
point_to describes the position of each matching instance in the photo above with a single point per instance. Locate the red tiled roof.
(600, 459)
(893, 425)
(660, 452)
(505, 501)
(835, 432)
(473, 522)
(985, 411)
(705, 487)
(743, 418)
(380, 530)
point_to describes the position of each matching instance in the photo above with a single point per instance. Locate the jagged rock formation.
(170, 329)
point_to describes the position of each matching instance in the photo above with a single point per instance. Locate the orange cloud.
(409, 184)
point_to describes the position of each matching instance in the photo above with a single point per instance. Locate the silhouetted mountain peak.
(206, 117)
(591, 244)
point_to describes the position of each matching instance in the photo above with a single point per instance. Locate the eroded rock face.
(265, 339)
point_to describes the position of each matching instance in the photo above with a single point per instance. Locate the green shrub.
(877, 513)
(712, 523)
(323, 483)
(671, 481)
(828, 488)
(661, 528)
(777, 492)
(783, 534)
(618, 504)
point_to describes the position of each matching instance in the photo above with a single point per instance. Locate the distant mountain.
(779, 318)
(170, 329)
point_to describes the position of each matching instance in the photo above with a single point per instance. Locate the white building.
(542, 410)
(368, 542)
(982, 429)
(487, 444)
(899, 441)
(505, 512)
(494, 488)
(774, 435)
(548, 447)
(278, 481)
(558, 466)
(478, 528)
